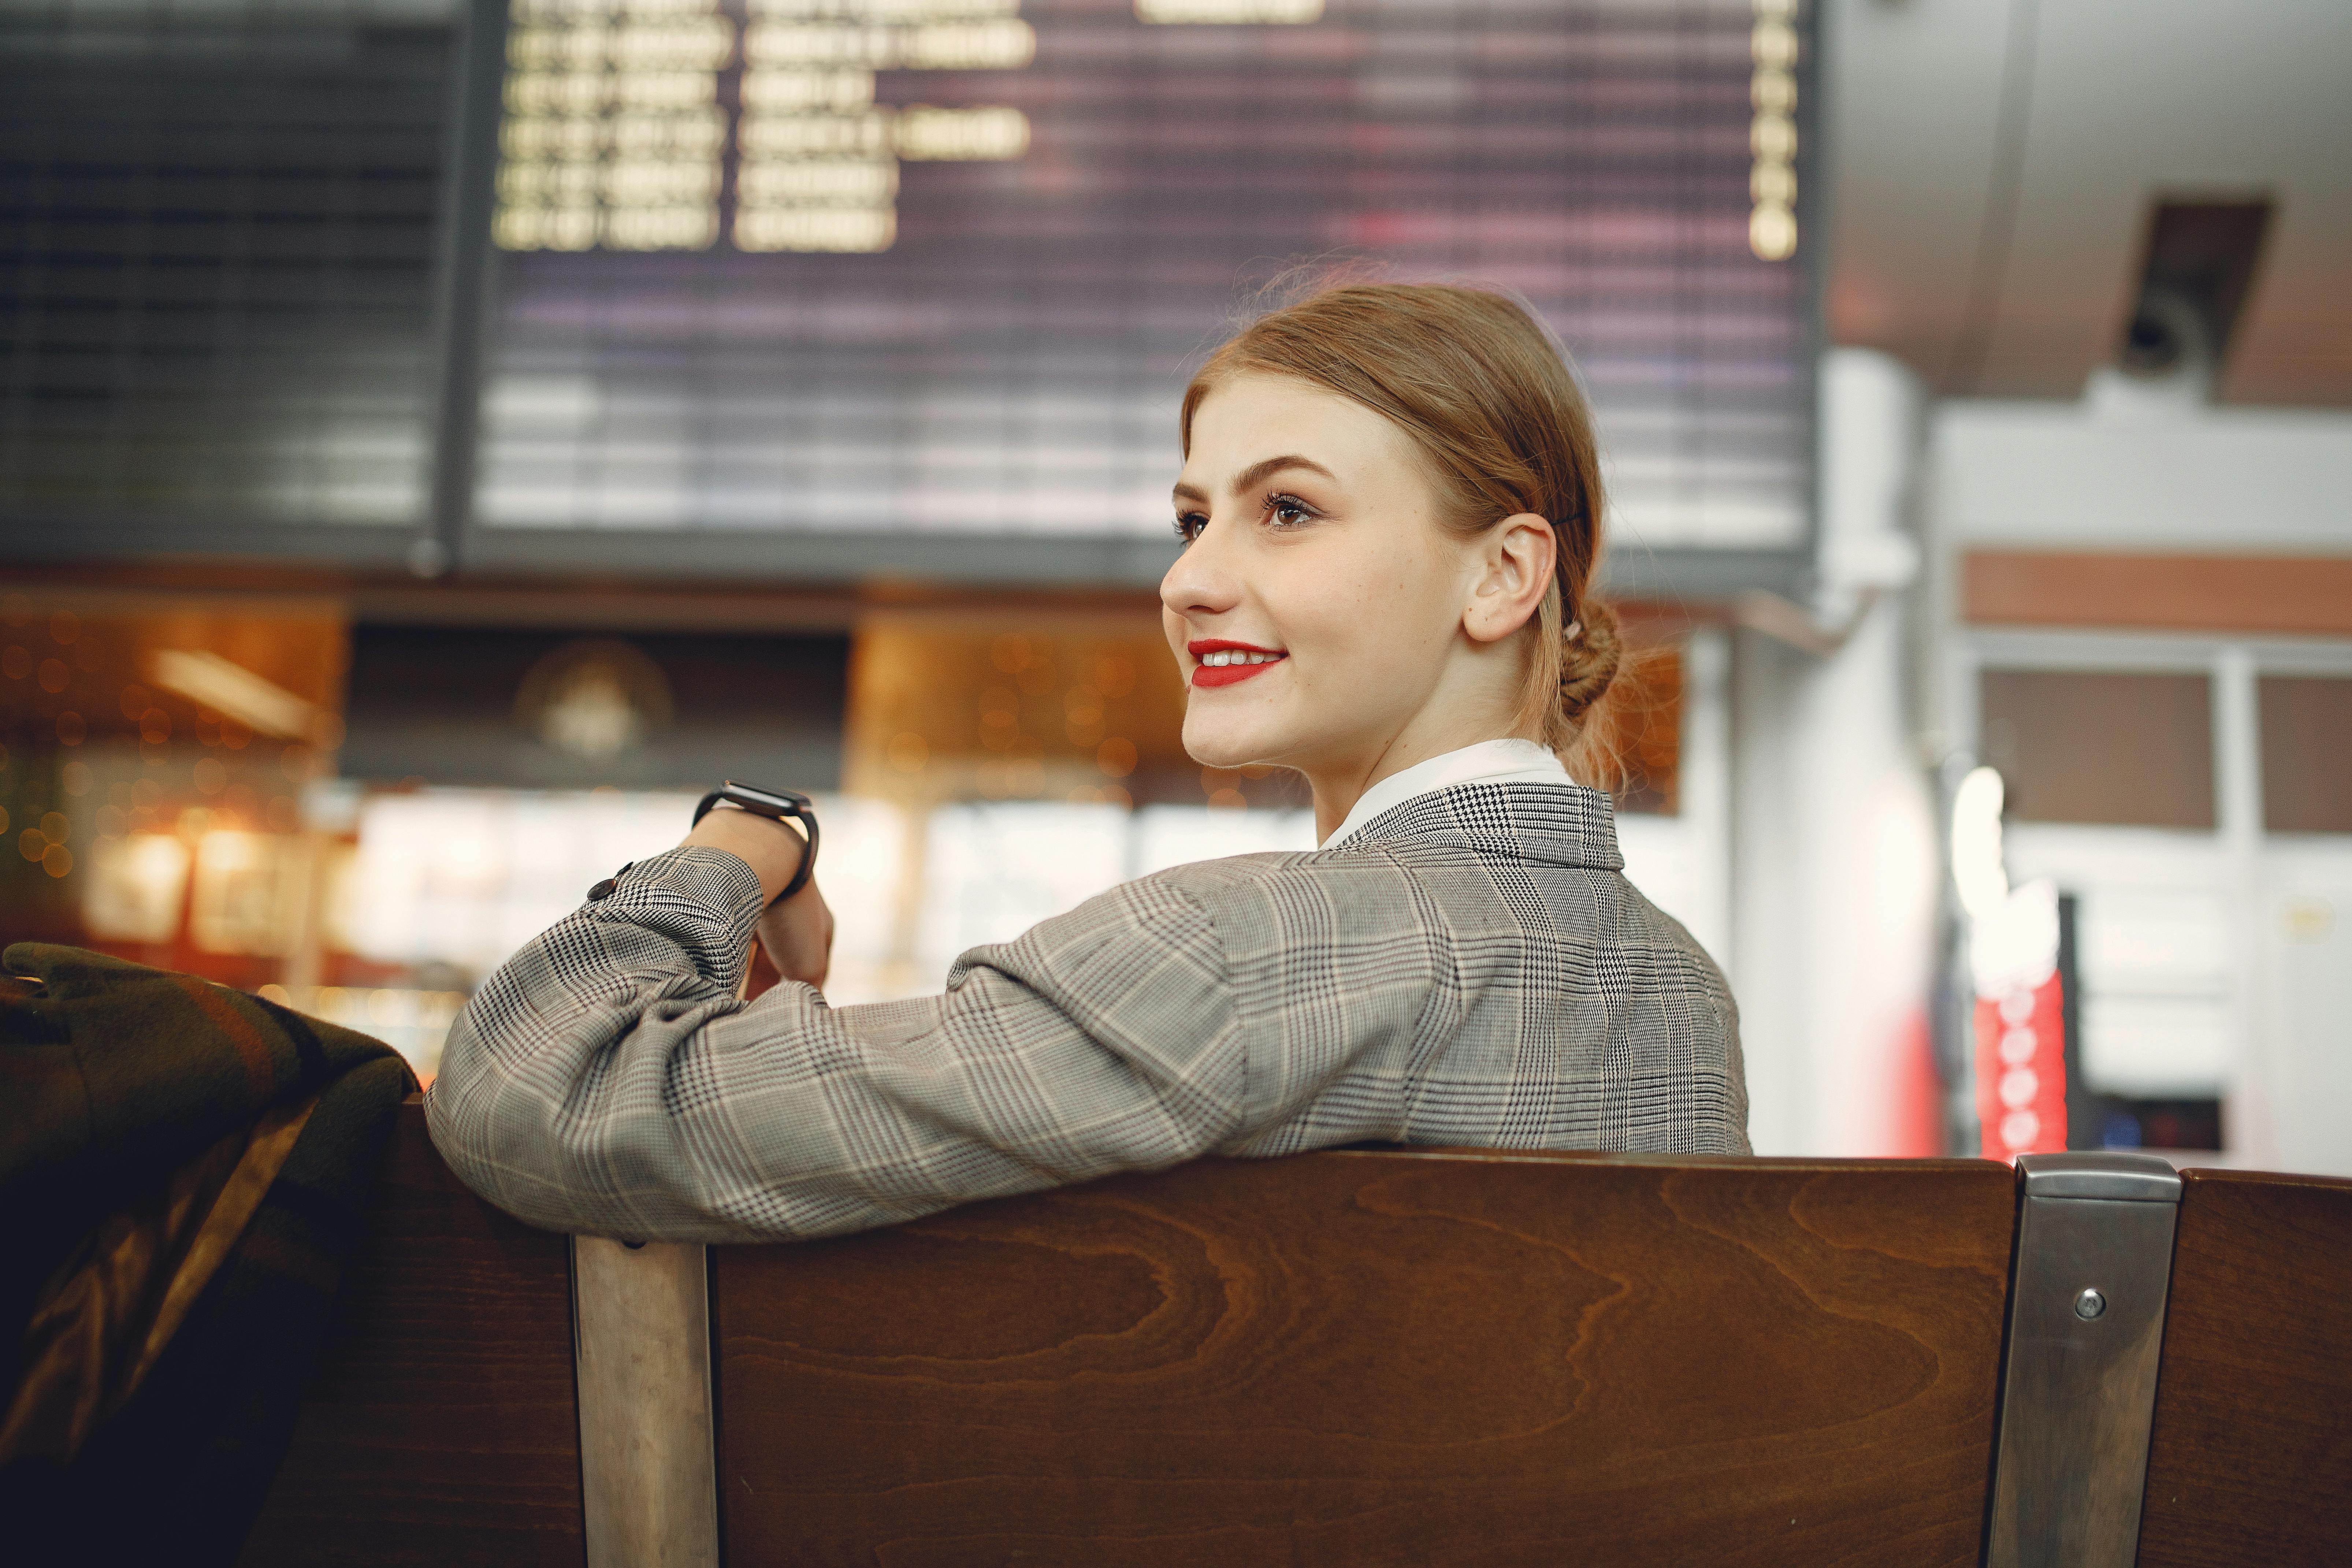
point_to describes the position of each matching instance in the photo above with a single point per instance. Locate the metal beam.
(641, 1342)
(2085, 1326)
(462, 278)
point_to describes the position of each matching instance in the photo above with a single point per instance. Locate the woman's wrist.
(772, 850)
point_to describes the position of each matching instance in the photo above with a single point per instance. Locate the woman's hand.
(798, 930)
(798, 934)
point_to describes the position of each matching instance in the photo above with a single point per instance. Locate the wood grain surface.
(2251, 1459)
(1383, 1357)
(440, 1426)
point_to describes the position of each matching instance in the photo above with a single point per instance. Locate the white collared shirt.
(1488, 761)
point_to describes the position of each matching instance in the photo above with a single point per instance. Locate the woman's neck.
(1338, 791)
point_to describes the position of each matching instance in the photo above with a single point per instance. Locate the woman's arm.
(607, 1081)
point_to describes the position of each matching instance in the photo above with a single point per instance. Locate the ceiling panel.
(1993, 167)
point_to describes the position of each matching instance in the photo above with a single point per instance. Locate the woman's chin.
(1225, 747)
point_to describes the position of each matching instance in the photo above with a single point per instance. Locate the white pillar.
(2248, 1104)
(1836, 847)
(1706, 789)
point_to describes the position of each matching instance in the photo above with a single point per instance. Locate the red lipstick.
(1228, 674)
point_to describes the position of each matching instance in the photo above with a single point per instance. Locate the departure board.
(943, 266)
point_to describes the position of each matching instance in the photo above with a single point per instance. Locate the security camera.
(2167, 334)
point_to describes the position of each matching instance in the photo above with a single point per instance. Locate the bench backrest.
(442, 1426)
(1381, 1358)
(2251, 1459)
(1367, 1357)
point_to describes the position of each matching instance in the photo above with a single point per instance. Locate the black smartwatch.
(779, 804)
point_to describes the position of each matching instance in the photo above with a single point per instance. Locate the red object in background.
(2022, 1070)
(1915, 1111)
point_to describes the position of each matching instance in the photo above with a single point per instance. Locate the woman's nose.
(1202, 581)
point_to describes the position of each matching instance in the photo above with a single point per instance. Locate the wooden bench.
(1365, 1358)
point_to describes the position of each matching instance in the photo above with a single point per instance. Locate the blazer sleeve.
(606, 1081)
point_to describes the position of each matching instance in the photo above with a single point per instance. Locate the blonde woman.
(1391, 505)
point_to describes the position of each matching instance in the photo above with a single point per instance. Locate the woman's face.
(1317, 612)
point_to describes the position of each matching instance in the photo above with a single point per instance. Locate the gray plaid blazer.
(1471, 968)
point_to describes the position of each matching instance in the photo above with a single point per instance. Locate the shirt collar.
(1487, 761)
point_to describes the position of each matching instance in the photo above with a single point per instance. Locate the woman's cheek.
(1335, 617)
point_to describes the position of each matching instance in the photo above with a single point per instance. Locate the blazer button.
(604, 890)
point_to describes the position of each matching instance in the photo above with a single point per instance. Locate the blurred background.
(438, 438)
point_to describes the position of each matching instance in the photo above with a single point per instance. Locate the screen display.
(217, 232)
(943, 266)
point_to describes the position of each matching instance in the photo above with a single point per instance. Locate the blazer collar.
(1559, 825)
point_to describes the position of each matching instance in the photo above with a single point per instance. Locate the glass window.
(2307, 753)
(2093, 746)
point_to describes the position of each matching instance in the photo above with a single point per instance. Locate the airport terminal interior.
(441, 440)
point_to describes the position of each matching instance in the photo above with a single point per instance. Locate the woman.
(1391, 505)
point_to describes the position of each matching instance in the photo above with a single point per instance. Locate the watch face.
(767, 802)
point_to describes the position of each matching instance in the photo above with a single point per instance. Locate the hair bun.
(1589, 661)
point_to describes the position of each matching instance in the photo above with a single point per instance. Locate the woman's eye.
(1190, 524)
(1288, 511)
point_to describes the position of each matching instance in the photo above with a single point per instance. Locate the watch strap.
(777, 805)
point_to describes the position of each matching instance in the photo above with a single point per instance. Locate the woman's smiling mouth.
(1223, 662)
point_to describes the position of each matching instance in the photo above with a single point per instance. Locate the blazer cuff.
(706, 901)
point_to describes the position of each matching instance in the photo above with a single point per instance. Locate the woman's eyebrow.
(1256, 474)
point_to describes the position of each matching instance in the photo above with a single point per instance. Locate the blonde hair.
(1488, 399)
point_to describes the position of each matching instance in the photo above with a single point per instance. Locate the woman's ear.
(1514, 559)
